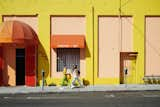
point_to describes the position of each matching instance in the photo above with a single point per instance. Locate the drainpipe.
(93, 42)
(120, 27)
(120, 36)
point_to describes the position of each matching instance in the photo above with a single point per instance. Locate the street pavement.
(83, 99)
(67, 89)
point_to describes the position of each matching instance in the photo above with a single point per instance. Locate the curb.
(52, 90)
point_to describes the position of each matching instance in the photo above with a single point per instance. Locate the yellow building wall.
(91, 9)
(138, 9)
(45, 9)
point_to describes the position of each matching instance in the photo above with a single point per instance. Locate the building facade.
(111, 41)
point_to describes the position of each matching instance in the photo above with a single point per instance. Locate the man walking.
(76, 77)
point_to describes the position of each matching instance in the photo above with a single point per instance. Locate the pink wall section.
(68, 25)
(152, 42)
(127, 34)
(108, 47)
(54, 72)
(32, 21)
(109, 44)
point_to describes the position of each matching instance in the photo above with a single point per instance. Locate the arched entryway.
(18, 53)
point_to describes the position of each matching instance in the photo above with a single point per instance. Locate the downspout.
(120, 26)
(120, 39)
(93, 41)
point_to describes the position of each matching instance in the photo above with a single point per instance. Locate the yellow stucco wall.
(91, 9)
(138, 9)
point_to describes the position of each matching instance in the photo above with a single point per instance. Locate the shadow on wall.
(8, 67)
(5, 82)
(5, 78)
(43, 63)
(88, 54)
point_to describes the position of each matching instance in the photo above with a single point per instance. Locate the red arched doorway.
(18, 50)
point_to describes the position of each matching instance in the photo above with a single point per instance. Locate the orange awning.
(17, 32)
(67, 41)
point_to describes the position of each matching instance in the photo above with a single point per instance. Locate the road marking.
(13, 98)
(7, 97)
(151, 95)
(109, 96)
(38, 98)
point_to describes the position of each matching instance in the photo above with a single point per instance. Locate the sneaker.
(61, 88)
(72, 87)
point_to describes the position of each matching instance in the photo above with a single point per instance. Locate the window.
(67, 57)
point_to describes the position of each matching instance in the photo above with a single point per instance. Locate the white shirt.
(75, 73)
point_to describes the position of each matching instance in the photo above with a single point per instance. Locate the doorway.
(20, 66)
(127, 67)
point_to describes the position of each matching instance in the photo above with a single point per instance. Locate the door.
(20, 66)
(30, 66)
(127, 68)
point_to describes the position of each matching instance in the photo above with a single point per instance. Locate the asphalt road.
(87, 99)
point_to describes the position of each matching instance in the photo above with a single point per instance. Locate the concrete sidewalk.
(57, 89)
